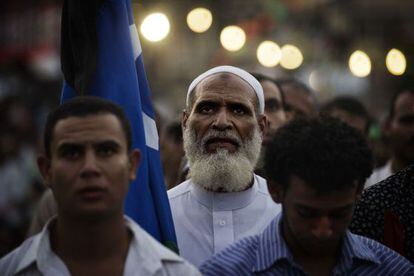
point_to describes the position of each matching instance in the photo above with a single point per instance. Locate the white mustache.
(222, 135)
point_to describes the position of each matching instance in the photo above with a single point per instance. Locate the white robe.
(207, 222)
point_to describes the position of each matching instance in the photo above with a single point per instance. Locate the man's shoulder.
(179, 190)
(18, 258)
(237, 259)
(386, 260)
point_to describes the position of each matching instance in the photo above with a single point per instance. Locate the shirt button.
(222, 222)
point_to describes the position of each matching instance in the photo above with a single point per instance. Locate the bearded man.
(223, 200)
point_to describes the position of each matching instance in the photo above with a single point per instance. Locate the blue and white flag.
(101, 56)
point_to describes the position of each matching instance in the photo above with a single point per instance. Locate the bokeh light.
(360, 64)
(199, 20)
(291, 58)
(232, 38)
(396, 62)
(314, 80)
(155, 27)
(268, 53)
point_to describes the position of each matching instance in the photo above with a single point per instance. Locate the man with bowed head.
(88, 165)
(223, 200)
(316, 169)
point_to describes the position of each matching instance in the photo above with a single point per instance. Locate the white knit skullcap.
(254, 83)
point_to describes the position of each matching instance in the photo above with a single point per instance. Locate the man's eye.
(288, 108)
(71, 153)
(340, 214)
(239, 110)
(272, 106)
(307, 213)
(106, 151)
(205, 109)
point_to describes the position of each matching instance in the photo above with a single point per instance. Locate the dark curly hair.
(326, 153)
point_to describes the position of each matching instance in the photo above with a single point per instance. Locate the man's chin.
(222, 172)
(91, 213)
(320, 248)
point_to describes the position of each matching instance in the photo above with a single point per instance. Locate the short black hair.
(324, 152)
(348, 104)
(261, 77)
(83, 106)
(396, 95)
(297, 84)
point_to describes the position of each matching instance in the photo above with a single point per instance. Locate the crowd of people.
(261, 179)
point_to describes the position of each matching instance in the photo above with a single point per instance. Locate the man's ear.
(44, 164)
(263, 123)
(276, 191)
(134, 161)
(184, 119)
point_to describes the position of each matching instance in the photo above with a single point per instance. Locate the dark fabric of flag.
(79, 42)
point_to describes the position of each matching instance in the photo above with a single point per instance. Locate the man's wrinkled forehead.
(220, 81)
(244, 75)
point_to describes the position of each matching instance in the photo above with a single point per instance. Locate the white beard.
(222, 171)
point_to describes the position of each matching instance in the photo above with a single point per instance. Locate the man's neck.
(91, 244)
(313, 263)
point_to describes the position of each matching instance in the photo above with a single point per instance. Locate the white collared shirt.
(145, 257)
(207, 222)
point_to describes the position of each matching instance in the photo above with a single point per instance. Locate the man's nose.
(90, 165)
(222, 121)
(323, 228)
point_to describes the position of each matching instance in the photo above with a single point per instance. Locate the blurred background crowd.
(362, 49)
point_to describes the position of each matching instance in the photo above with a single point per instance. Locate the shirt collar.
(225, 201)
(354, 248)
(40, 252)
(145, 255)
(31, 254)
(273, 248)
(143, 251)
